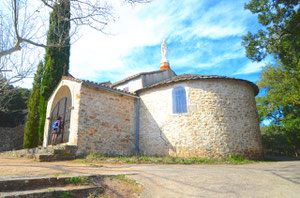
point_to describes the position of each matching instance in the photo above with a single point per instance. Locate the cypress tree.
(56, 58)
(32, 125)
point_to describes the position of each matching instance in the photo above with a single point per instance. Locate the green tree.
(32, 125)
(17, 102)
(280, 37)
(56, 58)
(275, 141)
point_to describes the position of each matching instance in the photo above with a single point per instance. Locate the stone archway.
(61, 107)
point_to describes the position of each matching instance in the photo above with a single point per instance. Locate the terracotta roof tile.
(71, 78)
(101, 84)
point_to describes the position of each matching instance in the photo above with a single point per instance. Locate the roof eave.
(136, 76)
(109, 89)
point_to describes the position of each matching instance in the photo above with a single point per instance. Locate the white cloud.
(222, 20)
(251, 67)
(147, 25)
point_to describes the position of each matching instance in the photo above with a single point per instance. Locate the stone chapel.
(158, 113)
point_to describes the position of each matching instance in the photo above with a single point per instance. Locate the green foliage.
(140, 159)
(281, 105)
(56, 58)
(92, 156)
(280, 37)
(97, 193)
(237, 158)
(275, 142)
(58, 174)
(66, 194)
(78, 180)
(281, 82)
(124, 179)
(12, 98)
(14, 116)
(19, 100)
(32, 125)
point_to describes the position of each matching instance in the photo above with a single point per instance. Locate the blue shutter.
(174, 101)
(183, 102)
(179, 100)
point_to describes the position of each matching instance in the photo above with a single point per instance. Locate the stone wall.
(221, 120)
(107, 122)
(11, 138)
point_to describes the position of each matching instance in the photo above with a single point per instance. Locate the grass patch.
(123, 178)
(78, 180)
(58, 174)
(140, 159)
(96, 165)
(66, 194)
(97, 194)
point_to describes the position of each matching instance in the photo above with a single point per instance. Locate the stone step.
(55, 192)
(29, 184)
(41, 182)
(50, 153)
(53, 157)
(65, 186)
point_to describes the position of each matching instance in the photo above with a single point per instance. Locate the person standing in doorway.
(56, 129)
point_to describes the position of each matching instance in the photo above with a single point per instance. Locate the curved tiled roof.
(186, 77)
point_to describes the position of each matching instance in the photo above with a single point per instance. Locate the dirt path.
(21, 167)
(270, 179)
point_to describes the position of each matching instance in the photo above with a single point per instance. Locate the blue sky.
(203, 37)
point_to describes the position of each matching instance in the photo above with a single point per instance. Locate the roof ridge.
(134, 76)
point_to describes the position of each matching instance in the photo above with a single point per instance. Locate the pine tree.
(56, 59)
(32, 124)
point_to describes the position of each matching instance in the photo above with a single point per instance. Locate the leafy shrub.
(79, 180)
(275, 142)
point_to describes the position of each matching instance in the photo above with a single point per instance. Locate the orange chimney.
(164, 65)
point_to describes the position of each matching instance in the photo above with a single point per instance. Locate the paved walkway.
(270, 179)
(280, 179)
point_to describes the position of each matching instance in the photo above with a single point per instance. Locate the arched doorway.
(62, 109)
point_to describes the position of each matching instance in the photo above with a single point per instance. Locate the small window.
(179, 100)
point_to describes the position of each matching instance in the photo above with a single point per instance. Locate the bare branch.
(47, 4)
(17, 47)
(23, 33)
(93, 13)
(40, 44)
(16, 19)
